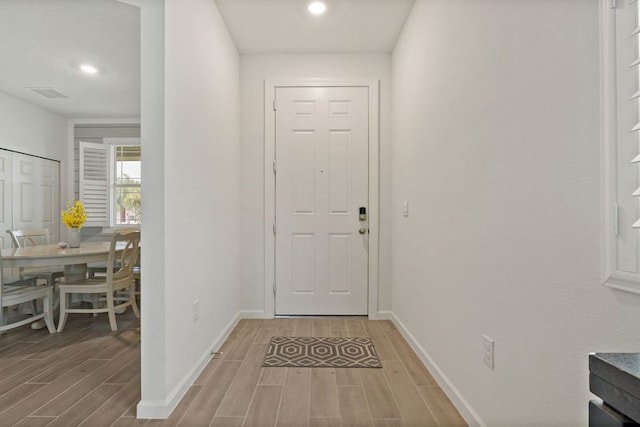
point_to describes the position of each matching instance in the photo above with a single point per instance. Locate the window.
(621, 144)
(125, 186)
(109, 181)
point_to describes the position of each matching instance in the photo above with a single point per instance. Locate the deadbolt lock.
(363, 214)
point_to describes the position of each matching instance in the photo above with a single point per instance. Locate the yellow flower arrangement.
(74, 216)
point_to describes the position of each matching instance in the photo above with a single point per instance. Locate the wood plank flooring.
(90, 376)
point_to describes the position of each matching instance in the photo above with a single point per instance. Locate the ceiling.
(42, 43)
(284, 26)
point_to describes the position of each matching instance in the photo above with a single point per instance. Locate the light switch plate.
(488, 346)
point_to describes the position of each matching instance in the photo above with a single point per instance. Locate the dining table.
(74, 261)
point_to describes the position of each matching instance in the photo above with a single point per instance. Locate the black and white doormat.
(322, 352)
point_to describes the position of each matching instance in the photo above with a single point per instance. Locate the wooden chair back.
(123, 255)
(22, 238)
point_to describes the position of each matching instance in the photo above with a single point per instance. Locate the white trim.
(133, 141)
(113, 143)
(162, 409)
(269, 182)
(468, 413)
(382, 315)
(254, 314)
(631, 288)
(623, 282)
(135, 3)
(105, 121)
(607, 140)
(610, 276)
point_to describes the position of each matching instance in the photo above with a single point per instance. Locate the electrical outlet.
(196, 310)
(487, 351)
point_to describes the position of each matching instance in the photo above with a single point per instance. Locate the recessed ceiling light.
(317, 8)
(89, 69)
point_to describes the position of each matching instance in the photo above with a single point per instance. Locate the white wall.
(32, 130)
(197, 194)
(254, 69)
(153, 325)
(496, 146)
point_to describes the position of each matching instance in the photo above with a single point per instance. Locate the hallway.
(234, 390)
(90, 376)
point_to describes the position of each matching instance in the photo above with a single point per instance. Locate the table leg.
(75, 272)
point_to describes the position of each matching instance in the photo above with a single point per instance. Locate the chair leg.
(3, 318)
(47, 308)
(132, 299)
(34, 307)
(111, 312)
(93, 300)
(63, 310)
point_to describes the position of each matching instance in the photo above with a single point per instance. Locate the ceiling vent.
(47, 92)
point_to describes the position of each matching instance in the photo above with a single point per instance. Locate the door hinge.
(274, 289)
(274, 228)
(612, 4)
(616, 219)
(274, 167)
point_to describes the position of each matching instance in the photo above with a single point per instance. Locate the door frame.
(270, 191)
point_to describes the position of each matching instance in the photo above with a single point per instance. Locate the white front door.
(321, 243)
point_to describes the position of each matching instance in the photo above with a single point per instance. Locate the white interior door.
(36, 194)
(50, 196)
(321, 244)
(6, 189)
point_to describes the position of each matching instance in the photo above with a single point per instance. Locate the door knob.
(362, 230)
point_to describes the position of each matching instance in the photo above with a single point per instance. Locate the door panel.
(339, 172)
(302, 265)
(6, 183)
(321, 182)
(303, 180)
(25, 199)
(339, 255)
(50, 197)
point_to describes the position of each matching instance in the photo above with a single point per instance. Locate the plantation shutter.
(94, 183)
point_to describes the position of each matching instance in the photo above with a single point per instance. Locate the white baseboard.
(382, 315)
(162, 409)
(253, 314)
(468, 413)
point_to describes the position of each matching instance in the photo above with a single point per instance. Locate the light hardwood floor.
(89, 376)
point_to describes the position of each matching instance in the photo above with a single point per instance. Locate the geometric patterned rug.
(321, 352)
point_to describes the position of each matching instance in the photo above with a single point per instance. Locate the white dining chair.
(123, 253)
(23, 238)
(100, 268)
(25, 291)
